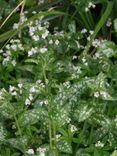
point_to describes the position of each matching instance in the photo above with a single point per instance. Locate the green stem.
(20, 133)
(49, 104)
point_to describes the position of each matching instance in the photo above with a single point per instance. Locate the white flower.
(46, 102)
(32, 90)
(41, 151)
(104, 94)
(27, 102)
(50, 42)
(31, 97)
(96, 43)
(30, 151)
(14, 47)
(86, 9)
(6, 60)
(99, 144)
(88, 38)
(16, 25)
(20, 46)
(84, 60)
(43, 50)
(40, 27)
(96, 94)
(34, 12)
(32, 52)
(11, 88)
(40, 1)
(45, 34)
(83, 31)
(35, 37)
(109, 22)
(20, 85)
(58, 137)
(1, 51)
(14, 93)
(57, 42)
(73, 128)
(13, 62)
(91, 32)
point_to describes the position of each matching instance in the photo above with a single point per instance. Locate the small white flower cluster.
(43, 50)
(76, 71)
(102, 94)
(41, 151)
(85, 61)
(99, 144)
(96, 43)
(37, 31)
(109, 22)
(12, 90)
(30, 151)
(28, 101)
(32, 51)
(58, 136)
(83, 31)
(20, 85)
(41, 2)
(14, 46)
(91, 32)
(23, 18)
(44, 102)
(2, 91)
(73, 128)
(90, 5)
(66, 84)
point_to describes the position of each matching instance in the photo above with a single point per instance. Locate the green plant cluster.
(58, 78)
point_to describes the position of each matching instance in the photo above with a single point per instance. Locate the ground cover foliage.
(58, 78)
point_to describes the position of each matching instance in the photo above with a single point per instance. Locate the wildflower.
(40, 1)
(50, 42)
(73, 128)
(1, 51)
(96, 94)
(20, 85)
(11, 88)
(104, 94)
(57, 42)
(91, 32)
(32, 51)
(32, 90)
(13, 62)
(41, 151)
(45, 34)
(58, 137)
(30, 151)
(99, 144)
(35, 37)
(96, 43)
(109, 22)
(43, 50)
(86, 9)
(27, 102)
(83, 31)
(31, 97)
(15, 25)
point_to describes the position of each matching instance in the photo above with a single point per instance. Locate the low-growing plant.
(58, 79)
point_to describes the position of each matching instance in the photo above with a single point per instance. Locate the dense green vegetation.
(58, 78)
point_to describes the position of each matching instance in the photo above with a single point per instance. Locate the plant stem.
(20, 133)
(49, 103)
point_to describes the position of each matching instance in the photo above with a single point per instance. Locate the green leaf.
(64, 146)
